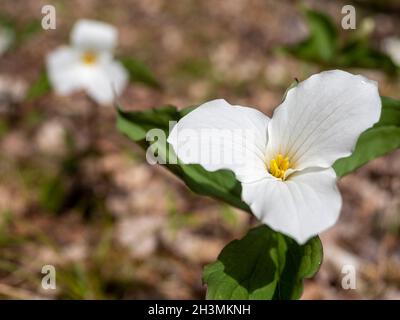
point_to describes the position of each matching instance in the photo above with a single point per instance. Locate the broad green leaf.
(139, 72)
(220, 184)
(136, 124)
(382, 138)
(359, 54)
(40, 87)
(371, 144)
(263, 265)
(390, 115)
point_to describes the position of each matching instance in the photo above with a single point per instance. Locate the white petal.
(94, 35)
(322, 118)
(220, 136)
(106, 81)
(63, 66)
(118, 76)
(300, 207)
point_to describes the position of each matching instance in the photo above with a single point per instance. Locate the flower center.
(89, 58)
(278, 166)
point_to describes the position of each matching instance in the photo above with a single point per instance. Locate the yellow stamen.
(89, 58)
(278, 166)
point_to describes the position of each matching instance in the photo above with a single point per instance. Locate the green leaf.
(390, 115)
(139, 72)
(382, 138)
(136, 124)
(358, 54)
(263, 265)
(322, 43)
(221, 184)
(323, 46)
(40, 87)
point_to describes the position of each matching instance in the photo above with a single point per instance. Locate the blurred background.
(76, 194)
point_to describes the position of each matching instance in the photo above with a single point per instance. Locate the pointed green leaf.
(390, 115)
(263, 265)
(359, 54)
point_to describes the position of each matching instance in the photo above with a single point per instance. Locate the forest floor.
(115, 226)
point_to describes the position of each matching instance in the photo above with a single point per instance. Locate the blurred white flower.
(88, 63)
(285, 165)
(6, 39)
(391, 46)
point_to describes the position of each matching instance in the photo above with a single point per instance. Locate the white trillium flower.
(285, 169)
(88, 63)
(391, 46)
